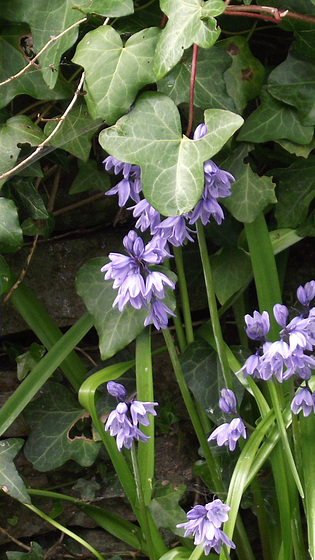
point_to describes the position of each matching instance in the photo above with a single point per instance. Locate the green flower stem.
(64, 530)
(145, 393)
(181, 336)
(213, 467)
(178, 254)
(269, 293)
(213, 306)
(153, 555)
(308, 462)
(42, 371)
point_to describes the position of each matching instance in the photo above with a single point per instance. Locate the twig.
(88, 357)
(258, 11)
(45, 47)
(192, 89)
(20, 279)
(19, 543)
(51, 202)
(77, 204)
(47, 140)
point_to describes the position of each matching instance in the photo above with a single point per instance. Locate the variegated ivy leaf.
(115, 72)
(188, 23)
(171, 164)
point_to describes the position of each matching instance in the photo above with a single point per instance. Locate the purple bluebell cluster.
(289, 356)
(230, 432)
(205, 522)
(123, 422)
(136, 284)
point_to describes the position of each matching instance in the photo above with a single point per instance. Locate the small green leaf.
(250, 193)
(10, 480)
(114, 72)
(299, 150)
(293, 82)
(295, 192)
(14, 132)
(50, 443)
(26, 196)
(39, 227)
(231, 269)
(90, 177)
(246, 75)
(274, 120)
(188, 23)
(165, 509)
(171, 165)
(31, 82)
(210, 87)
(75, 133)
(35, 553)
(27, 360)
(107, 8)
(11, 238)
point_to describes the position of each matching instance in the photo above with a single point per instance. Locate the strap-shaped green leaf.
(171, 164)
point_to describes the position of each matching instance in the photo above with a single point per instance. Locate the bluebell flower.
(227, 401)
(204, 209)
(307, 293)
(123, 422)
(229, 433)
(204, 522)
(200, 131)
(303, 400)
(174, 229)
(158, 315)
(147, 216)
(130, 185)
(257, 327)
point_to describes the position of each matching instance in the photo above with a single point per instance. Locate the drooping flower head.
(123, 422)
(205, 522)
(257, 326)
(229, 433)
(304, 400)
(130, 185)
(227, 401)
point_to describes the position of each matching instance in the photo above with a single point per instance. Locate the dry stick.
(19, 280)
(277, 14)
(45, 47)
(77, 204)
(19, 543)
(51, 202)
(192, 89)
(47, 140)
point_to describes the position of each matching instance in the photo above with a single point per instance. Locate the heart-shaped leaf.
(115, 72)
(11, 238)
(188, 23)
(171, 164)
(10, 480)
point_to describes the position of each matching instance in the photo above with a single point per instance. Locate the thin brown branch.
(20, 279)
(51, 202)
(47, 140)
(275, 15)
(78, 204)
(192, 89)
(45, 47)
(251, 15)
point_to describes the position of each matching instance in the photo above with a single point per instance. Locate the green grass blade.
(42, 371)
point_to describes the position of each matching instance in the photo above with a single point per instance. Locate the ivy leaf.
(231, 270)
(35, 553)
(297, 149)
(75, 133)
(10, 480)
(31, 82)
(5, 274)
(114, 72)
(188, 23)
(46, 19)
(28, 360)
(165, 509)
(274, 120)
(89, 176)
(293, 82)
(210, 87)
(14, 132)
(26, 196)
(109, 8)
(295, 192)
(304, 45)
(11, 238)
(250, 193)
(245, 76)
(50, 443)
(171, 165)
